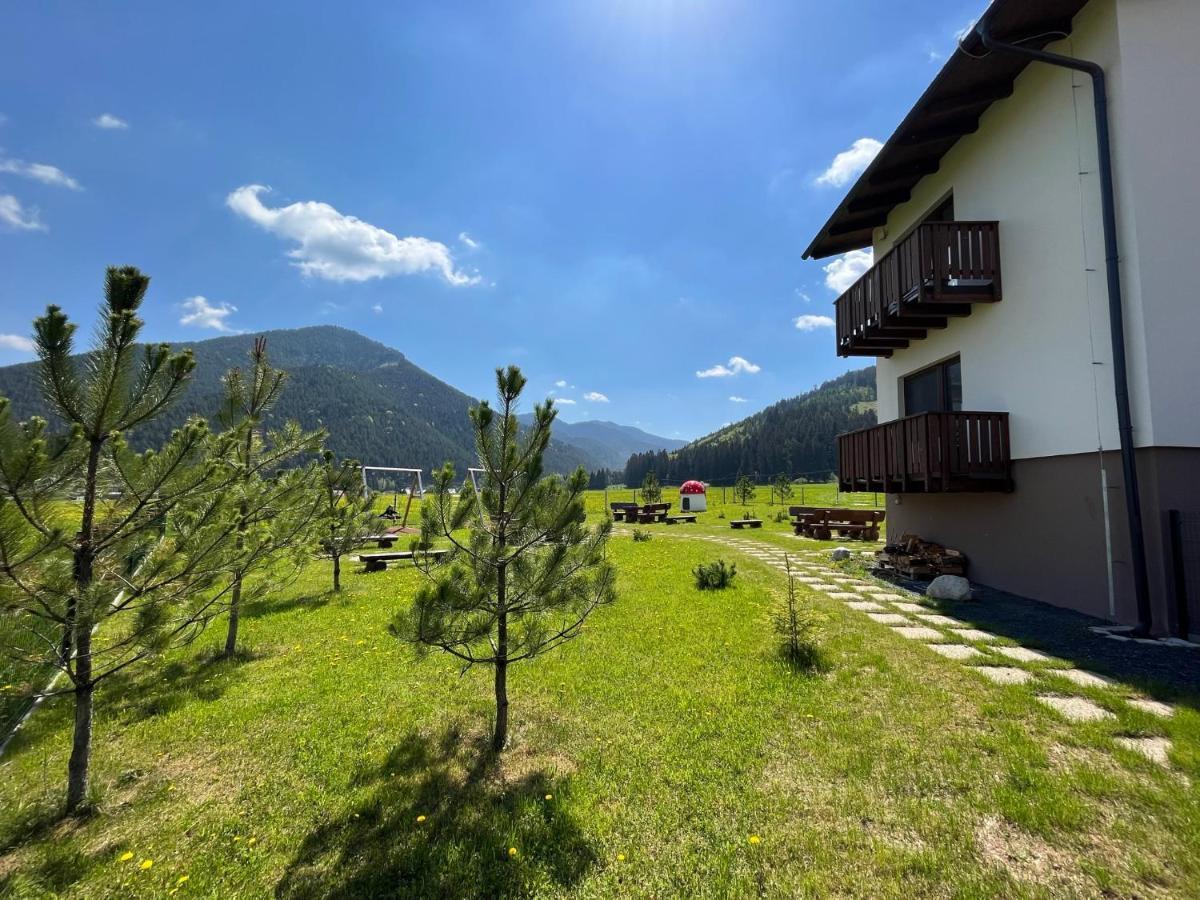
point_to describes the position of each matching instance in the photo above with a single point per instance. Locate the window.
(936, 389)
(943, 213)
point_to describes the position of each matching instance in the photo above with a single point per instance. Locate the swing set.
(416, 487)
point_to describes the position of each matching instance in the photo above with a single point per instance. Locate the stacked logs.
(915, 558)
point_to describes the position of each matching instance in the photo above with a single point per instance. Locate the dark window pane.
(953, 385)
(922, 392)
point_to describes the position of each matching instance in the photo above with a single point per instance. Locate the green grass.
(669, 733)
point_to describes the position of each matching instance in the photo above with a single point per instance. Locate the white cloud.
(736, 399)
(344, 248)
(564, 401)
(16, 342)
(595, 397)
(812, 323)
(202, 314)
(42, 172)
(737, 365)
(803, 296)
(850, 163)
(846, 269)
(108, 120)
(561, 383)
(468, 241)
(16, 216)
(378, 307)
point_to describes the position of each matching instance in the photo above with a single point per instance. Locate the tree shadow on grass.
(476, 807)
(265, 606)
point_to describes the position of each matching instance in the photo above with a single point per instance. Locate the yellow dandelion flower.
(252, 841)
(549, 796)
(755, 839)
(182, 879)
(512, 852)
(420, 819)
(127, 856)
(237, 838)
(146, 863)
(620, 857)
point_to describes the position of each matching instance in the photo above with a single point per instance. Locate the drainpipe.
(1133, 504)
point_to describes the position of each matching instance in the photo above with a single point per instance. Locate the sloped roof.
(971, 80)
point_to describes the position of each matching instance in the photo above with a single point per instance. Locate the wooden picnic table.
(822, 524)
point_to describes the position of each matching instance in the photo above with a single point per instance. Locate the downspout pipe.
(1116, 321)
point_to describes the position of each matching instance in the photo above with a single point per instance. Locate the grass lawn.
(646, 754)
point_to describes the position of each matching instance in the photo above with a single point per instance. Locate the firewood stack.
(915, 558)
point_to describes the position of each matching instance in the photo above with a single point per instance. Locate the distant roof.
(970, 81)
(691, 487)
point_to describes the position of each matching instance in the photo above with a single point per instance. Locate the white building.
(997, 395)
(693, 497)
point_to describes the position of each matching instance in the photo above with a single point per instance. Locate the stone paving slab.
(866, 606)
(935, 619)
(972, 634)
(887, 618)
(807, 580)
(904, 604)
(954, 651)
(1022, 654)
(843, 595)
(1076, 709)
(919, 633)
(1154, 707)
(884, 595)
(1083, 678)
(1154, 749)
(821, 586)
(1003, 674)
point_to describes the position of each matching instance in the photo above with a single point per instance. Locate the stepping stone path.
(1077, 709)
(1003, 674)
(813, 569)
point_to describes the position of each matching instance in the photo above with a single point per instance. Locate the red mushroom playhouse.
(692, 497)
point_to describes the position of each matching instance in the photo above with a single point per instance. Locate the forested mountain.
(379, 407)
(795, 436)
(608, 443)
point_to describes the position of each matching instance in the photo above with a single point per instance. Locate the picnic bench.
(745, 523)
(377, 562)
(823, 524)
(652, 512)
(680, 518)
(382, 540)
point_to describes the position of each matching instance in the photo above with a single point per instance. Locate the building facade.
(988, 312)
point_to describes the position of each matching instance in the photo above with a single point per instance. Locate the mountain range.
(379, 407)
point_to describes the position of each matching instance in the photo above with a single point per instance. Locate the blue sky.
(613, 194)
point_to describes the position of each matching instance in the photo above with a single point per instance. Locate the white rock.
(839, 553)
(949, 587)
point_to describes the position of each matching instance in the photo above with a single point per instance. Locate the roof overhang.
(971, 80)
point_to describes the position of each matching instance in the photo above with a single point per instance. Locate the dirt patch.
(1027, 858)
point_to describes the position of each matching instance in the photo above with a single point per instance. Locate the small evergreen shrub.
(797, 626)
(714, 576)
(781, 516)
(640, 535)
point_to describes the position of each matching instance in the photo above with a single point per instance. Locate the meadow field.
(668, 751)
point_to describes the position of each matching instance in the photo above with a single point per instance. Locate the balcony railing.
(933, 274)
(928, 452)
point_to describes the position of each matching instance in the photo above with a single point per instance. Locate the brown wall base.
(1046, 540)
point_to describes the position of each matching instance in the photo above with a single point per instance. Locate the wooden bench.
(382, 540)
(801, 515)
(847, 523)
(745, 523)
(682, 517)
(652, 512)
(377, 562)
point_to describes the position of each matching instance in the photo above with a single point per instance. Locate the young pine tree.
(743, 489)
(527, 573)
(277, 508)
(345, 510)
(782, 487)
(651, 490)
(132, 568)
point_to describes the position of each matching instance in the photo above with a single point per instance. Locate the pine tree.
(743, 489)
(528, 573)
(783, 487)
(132, 569)
(651, 490)
(345, 511)
(278, 509)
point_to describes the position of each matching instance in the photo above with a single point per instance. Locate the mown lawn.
(646, 756)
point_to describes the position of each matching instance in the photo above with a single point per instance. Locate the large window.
(936, 389)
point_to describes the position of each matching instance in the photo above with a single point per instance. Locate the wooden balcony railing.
(933, 274)
(928, 452)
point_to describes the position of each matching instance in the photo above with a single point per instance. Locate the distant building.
(693, 496)
(987, 307)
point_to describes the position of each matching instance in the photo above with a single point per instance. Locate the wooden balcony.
(934, 274)
(928, 453)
